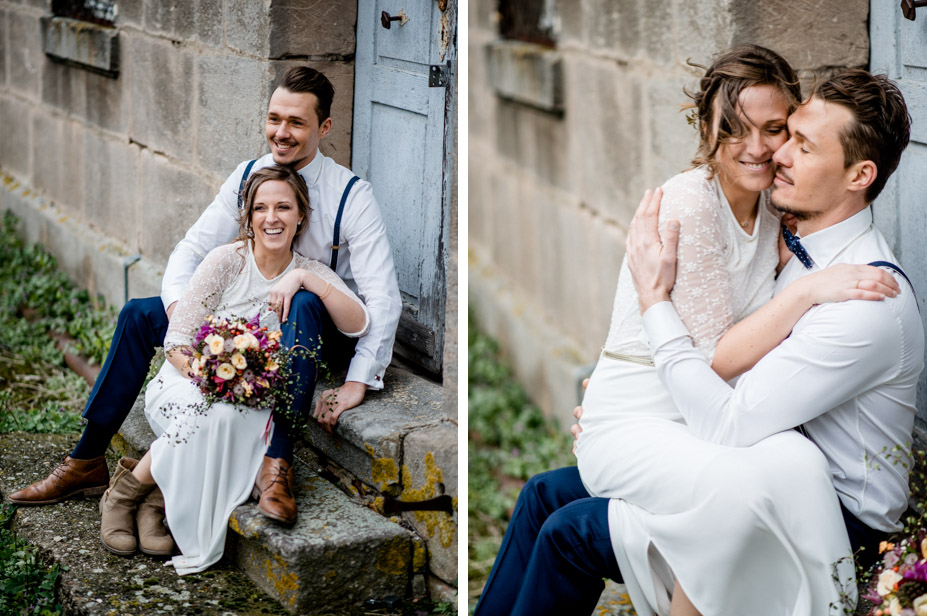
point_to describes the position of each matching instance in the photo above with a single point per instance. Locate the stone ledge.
(82, 44)
(526, 73)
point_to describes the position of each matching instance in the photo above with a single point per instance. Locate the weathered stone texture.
(231, 111)
(309, 29)
(672, 141)
(4, 37)
(430, 470)
(209, 22)
(174, 18)
(703, 28)
(603, 154)
(111, 187)
(15, 121)
(791, 27)
(160, 82)
(25, 57)
(88, 45)
(130, 12)
(172, 199)
(57, 160)
(534, 141)
(95, 98)
(247, 27)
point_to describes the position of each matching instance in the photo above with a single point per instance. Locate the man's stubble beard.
(800, 215)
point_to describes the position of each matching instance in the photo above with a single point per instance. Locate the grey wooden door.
(400, 146)
(899, 49)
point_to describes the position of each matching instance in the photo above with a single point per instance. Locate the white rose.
(242, 342)
(215, 343)
(894, 608)
(225, 371)
(920, 605)
(239, 361)
(195, 366)
(253, 341)
(887, 581)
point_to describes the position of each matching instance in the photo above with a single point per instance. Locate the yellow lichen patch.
(433, 520)
(378, 504)
(383, 471)
(233, 523)
(330, 575)
(393, 559)
(419, 556)
(285, 583)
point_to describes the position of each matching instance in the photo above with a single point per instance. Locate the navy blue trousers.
(555, 553)
(141, 327)
(557, 550)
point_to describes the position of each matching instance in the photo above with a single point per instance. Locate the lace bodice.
(723, 274)
(228, 283)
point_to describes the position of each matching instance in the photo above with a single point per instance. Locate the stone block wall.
(132, 160)
(552, 187)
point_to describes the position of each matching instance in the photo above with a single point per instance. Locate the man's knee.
(142, 310)
(307, 303)
(552, 489)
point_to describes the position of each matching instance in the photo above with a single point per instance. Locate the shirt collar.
(823, 246)
(312, 171)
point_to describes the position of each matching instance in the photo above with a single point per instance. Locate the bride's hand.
(281, 294)
(841, 282)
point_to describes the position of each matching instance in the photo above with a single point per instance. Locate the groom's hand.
(652, 261)
(333, 402)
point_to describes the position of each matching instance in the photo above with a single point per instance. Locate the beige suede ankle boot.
(153, 538)
(118, 506)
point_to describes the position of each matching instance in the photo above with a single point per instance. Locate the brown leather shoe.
(274, 486)
(71, 478)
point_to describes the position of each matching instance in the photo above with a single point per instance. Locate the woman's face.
(746, 163)
(275, 215)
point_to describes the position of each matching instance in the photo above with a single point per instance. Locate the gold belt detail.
(634, 359)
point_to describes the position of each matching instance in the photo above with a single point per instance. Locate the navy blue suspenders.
(344, 199)
(335, 241)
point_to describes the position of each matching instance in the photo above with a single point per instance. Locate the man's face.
(811, 179)
(293, 129)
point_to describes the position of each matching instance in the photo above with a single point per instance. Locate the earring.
(250, 232)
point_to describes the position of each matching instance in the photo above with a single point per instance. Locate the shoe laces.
(280, 476)
(60, 470)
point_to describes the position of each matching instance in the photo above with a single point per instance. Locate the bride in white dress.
(792, 554)
(205, 463)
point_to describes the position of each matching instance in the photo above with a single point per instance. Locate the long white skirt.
(205, 464)
(745, 530)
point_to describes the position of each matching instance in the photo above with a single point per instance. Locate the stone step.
(399, 444)
(94, 582)
(338, 553)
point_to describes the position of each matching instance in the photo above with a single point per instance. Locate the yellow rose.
(272, 366)
(215, 343)
(274, 335)
(887, 581)
(242, 342)
(248, 389)
(924, 548)
(920, 606)
(239, 361)
(225, 371)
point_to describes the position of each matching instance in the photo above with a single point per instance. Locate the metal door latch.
(437, 76)
(909, 7)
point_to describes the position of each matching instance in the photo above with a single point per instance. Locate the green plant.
(27, 586)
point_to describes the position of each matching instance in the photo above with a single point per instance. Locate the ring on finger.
(857, 283)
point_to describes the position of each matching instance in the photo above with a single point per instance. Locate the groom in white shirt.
(346, 232)
(847, 375)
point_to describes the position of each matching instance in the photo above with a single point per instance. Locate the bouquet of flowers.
(238, 361)
(899, 583)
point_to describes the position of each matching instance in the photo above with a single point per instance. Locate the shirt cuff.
(169, 295)
(662, 324)
(365, 371)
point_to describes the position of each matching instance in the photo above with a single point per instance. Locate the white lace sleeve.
(702, 293)
(325, 273)
(203, 293)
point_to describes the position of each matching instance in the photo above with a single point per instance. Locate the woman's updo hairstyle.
(281, 173)
(718, 98)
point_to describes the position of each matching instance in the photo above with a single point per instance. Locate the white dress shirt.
(365, 260)
(848, 374)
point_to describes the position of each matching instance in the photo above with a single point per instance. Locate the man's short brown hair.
(302, 80)
(881, 126)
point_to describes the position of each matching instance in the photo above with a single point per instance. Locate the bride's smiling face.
(746, 161)
(275, 216)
